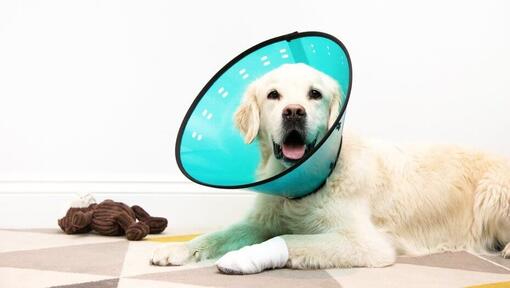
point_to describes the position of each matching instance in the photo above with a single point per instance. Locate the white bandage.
(270, 254)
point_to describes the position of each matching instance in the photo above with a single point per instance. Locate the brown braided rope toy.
(111, 218)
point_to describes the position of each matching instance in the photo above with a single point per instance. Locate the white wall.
(92, 92)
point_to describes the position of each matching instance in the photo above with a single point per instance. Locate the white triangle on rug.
(19, 241)
(32, 278)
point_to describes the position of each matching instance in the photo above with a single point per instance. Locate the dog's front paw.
(175, 254)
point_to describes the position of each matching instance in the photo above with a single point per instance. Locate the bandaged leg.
(270, 254)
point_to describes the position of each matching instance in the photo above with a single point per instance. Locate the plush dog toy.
(110, 218)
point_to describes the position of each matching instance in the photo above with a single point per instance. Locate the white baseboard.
(188, 207)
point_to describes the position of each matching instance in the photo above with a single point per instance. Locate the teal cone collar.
(210, 150)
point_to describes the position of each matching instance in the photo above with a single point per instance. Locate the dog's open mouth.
(293, 147)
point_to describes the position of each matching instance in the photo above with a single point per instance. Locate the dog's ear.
(247, 118)
(336, 100)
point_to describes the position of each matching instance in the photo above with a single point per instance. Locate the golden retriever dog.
(381, 200)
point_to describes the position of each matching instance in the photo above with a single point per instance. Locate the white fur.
(173, 254)
(381, 200)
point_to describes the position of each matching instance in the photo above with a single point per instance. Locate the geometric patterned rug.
(49, 258)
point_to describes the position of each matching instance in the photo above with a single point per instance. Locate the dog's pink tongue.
(293, 152)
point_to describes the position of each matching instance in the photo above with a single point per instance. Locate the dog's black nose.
(294, 112)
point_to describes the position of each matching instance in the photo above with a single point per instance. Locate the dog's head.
(290, 109)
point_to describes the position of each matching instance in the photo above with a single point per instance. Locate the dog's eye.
(314, 94)
(273, 94)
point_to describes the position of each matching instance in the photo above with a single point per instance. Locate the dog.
(380, 201)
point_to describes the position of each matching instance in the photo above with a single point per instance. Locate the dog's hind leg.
(491, 225)
(360, 246)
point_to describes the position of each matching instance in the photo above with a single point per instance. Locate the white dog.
(381, 200)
